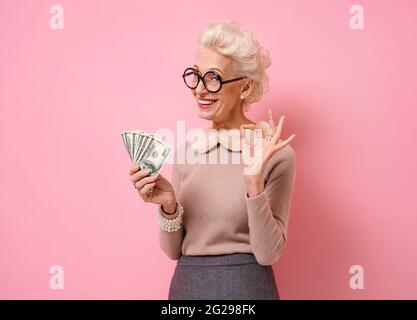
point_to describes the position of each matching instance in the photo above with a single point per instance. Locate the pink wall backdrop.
(65, 96)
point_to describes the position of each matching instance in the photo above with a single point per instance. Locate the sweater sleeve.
(171, 242)
(268, 212)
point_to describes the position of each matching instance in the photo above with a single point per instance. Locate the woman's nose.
(200, 88)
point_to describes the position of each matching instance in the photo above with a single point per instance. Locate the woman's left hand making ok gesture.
(259, 144)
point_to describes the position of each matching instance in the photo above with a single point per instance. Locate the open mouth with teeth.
(206, 103)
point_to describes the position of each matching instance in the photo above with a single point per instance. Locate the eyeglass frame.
(199, 77)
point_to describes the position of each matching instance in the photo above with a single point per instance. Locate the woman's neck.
(234, 122)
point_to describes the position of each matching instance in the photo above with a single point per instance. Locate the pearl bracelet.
(171, 225)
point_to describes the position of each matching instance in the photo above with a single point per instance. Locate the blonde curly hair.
(231, 39)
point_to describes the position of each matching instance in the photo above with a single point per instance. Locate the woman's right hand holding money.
(155, 189)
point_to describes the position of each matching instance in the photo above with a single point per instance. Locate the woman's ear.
(247, 87)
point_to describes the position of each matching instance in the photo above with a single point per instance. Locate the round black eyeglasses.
(211, 80)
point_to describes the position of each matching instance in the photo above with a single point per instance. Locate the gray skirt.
(236, 276)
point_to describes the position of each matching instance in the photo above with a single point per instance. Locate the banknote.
(154, 156)
(146, 150)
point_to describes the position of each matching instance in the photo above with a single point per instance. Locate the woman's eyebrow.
(210, 68)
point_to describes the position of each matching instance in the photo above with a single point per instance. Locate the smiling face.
(227, 105)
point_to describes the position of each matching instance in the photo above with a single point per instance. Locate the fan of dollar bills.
(146, 150)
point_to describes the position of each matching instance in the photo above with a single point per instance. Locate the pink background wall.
(65, 96)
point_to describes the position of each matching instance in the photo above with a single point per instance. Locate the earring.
(241, 96)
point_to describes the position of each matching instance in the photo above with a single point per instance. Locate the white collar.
(227, 138)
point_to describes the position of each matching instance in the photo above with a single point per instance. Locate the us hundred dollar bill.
(154, 156)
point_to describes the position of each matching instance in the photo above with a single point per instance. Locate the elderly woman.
(225, 225)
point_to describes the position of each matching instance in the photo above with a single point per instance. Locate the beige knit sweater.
(219, 217)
